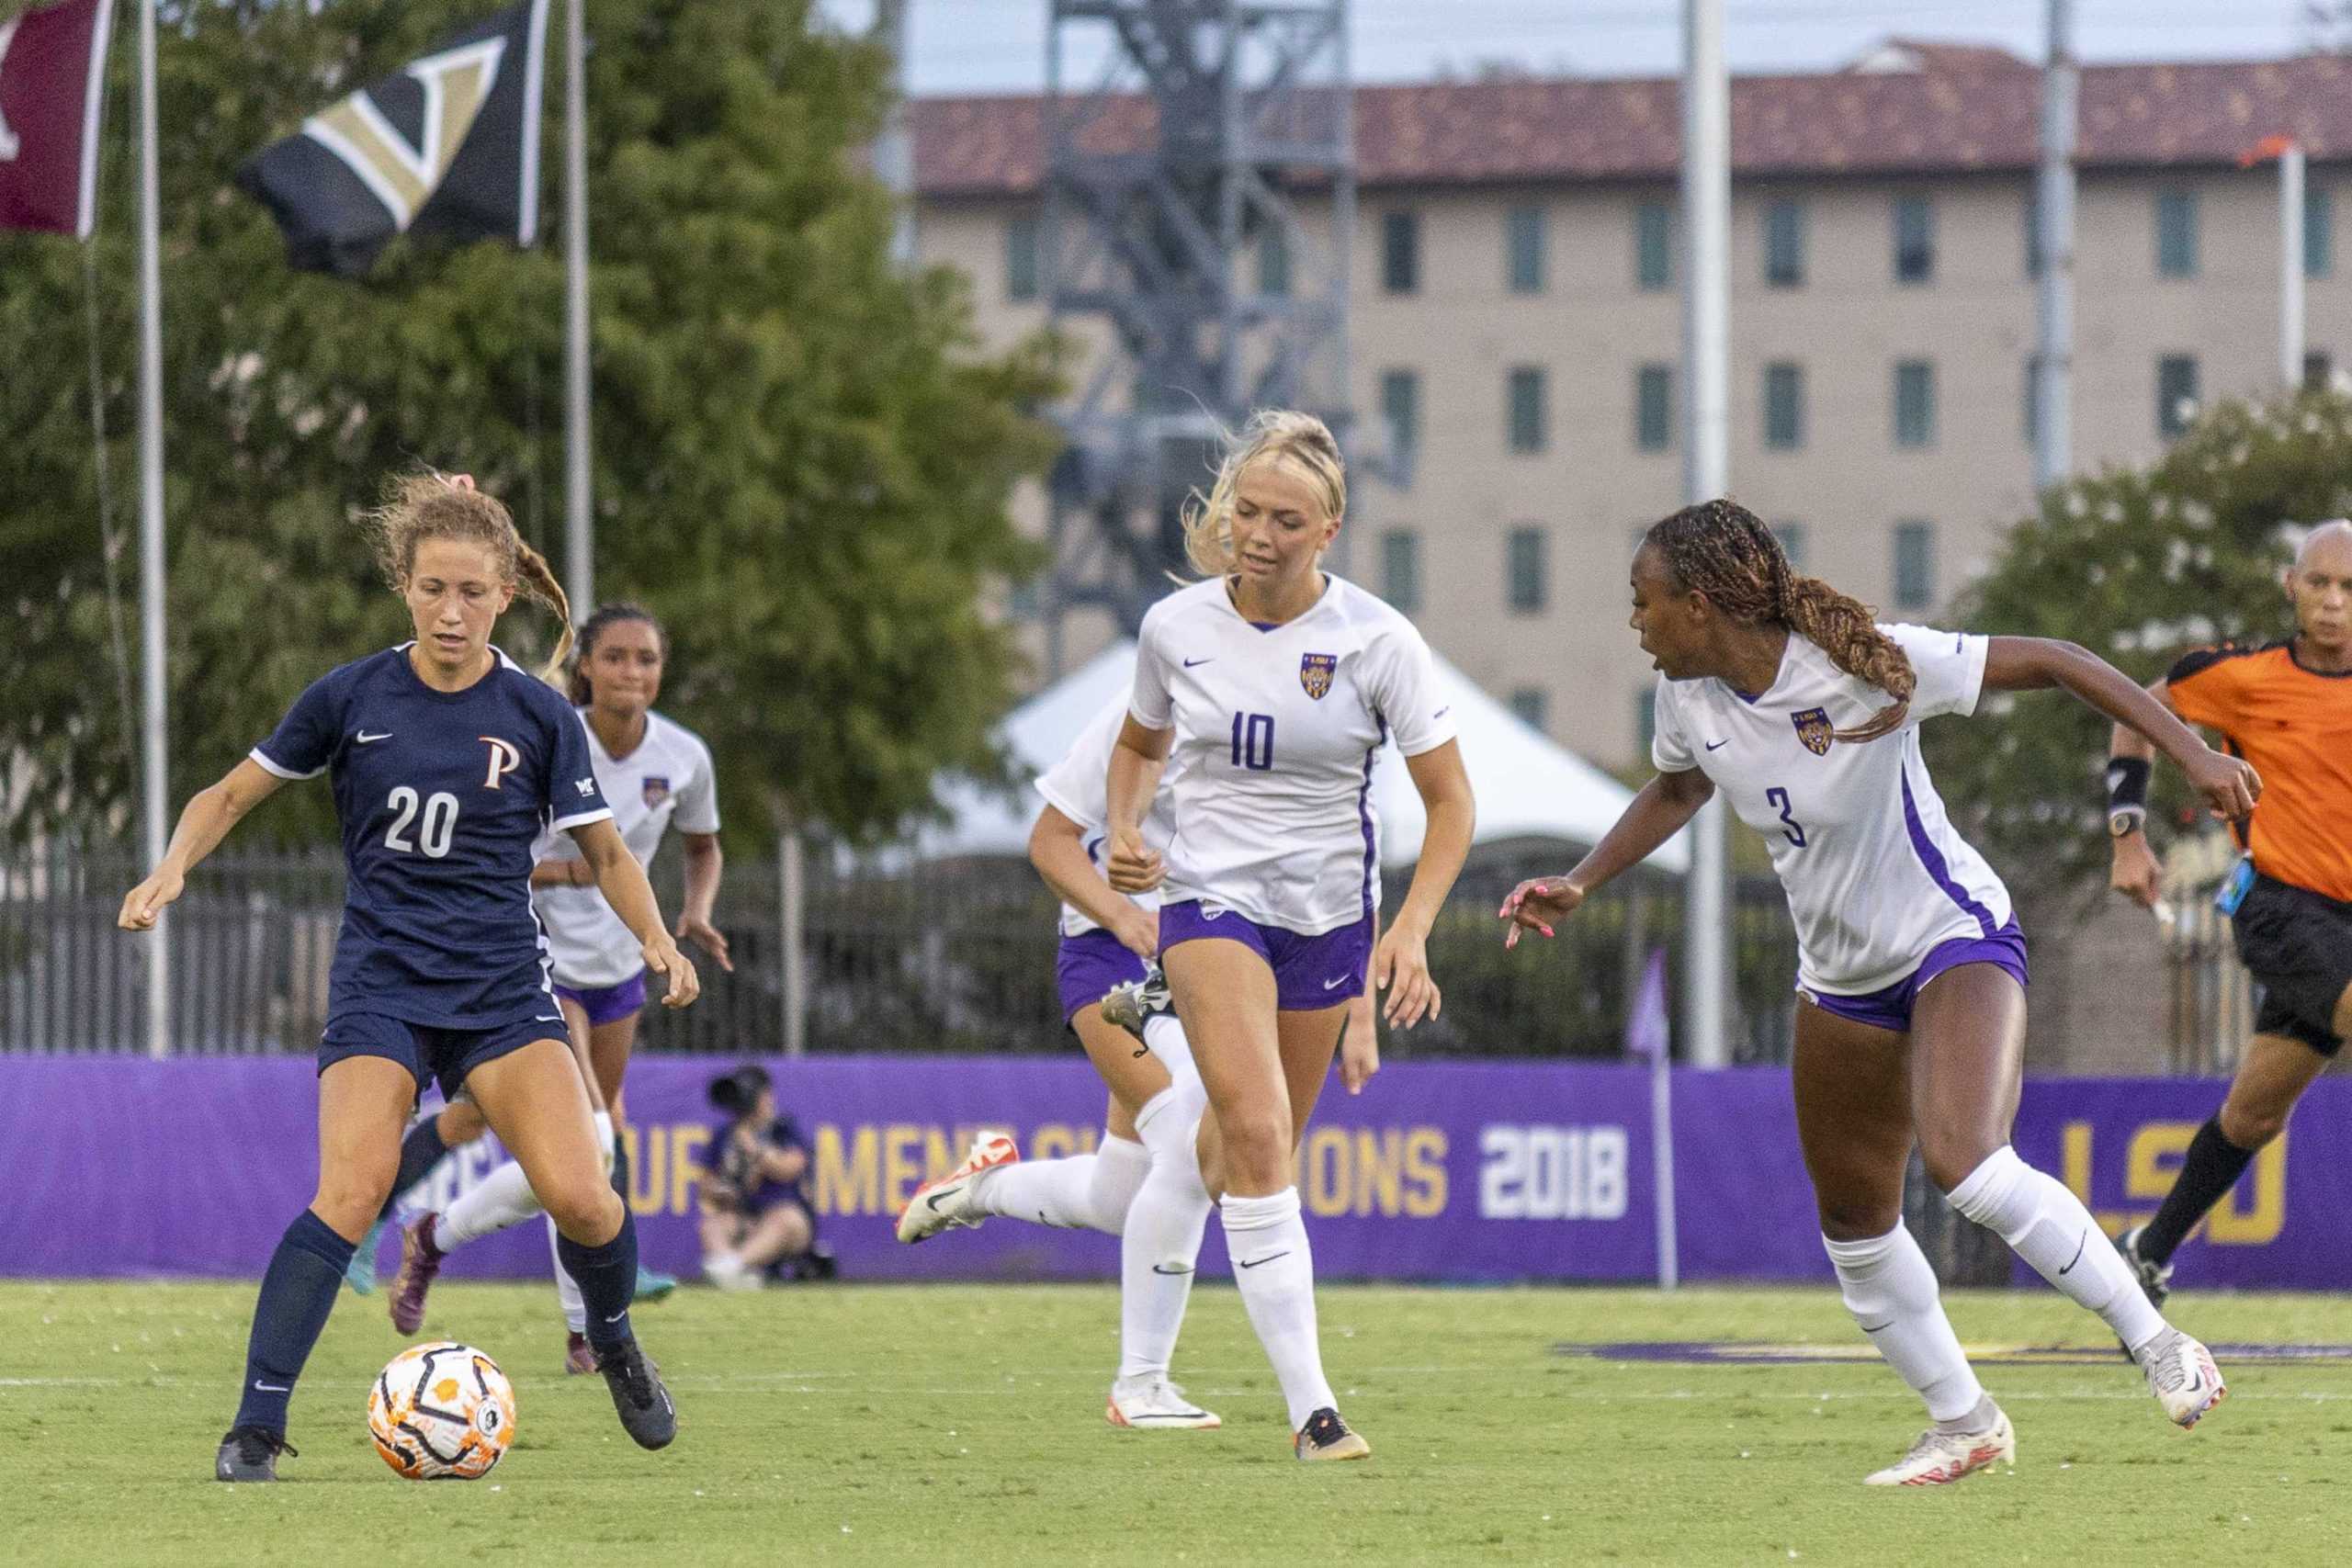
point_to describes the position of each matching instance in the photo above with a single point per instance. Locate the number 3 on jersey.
(1778, 796)
(1253, 742)
(440, 821)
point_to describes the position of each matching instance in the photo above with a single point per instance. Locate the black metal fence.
(895, 954)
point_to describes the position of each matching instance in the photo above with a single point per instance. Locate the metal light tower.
(1200, 196)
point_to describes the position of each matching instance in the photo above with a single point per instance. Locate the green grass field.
(964, 1426)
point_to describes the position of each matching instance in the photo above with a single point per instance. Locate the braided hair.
(1723, 550)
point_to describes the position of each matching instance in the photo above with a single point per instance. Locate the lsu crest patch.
(1813, 728)
(1314, 671)
(657, 788)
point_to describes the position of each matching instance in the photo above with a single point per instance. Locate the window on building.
(2319, 369)
(1914, 565)
(1400, 406)
(2032, 401)
(1792, 542)
(1400, 570)
(1523, 246)
(2032, 233)
(1654, 245)
(1400, 251)
(2175, 393)
(2319, 232)
(1646, 719)
(1654, 408)
(1785, 244)
(1914, 238)
(1525, 588)
(1529, 703)
(1024, 599)
(1915, 403)
(1783, 406)
(1274, 261)
(1528, 425)
(2175, 234)
(1020, 256)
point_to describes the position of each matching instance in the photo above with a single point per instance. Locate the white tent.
(1527, 786)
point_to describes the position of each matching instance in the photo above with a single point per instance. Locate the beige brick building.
(1515, 319)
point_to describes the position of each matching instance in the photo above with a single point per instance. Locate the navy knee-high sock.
(620, 1166)
(606, 1275)
(296, 1293)
(420, 1150)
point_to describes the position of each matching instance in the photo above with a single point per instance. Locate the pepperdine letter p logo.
(402, 175)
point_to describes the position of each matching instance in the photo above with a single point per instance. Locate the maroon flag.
(52, 72)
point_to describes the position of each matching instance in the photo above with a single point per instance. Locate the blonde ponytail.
(539, 582)
(1277, 434)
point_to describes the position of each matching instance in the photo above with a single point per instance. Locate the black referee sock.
(298, 1291)
(606, 1275)
(2210, 1169)
(420, 1151)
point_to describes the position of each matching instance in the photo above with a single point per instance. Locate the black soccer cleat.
(646, 1413)
(1325, 1437)
(250, 1453)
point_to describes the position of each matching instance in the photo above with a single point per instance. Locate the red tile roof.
(1964, 109)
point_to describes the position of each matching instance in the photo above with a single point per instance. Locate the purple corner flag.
(1649, 1026)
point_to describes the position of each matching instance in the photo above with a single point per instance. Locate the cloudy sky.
(977, 46)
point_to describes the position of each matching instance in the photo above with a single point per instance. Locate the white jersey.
(1269, 770)
(667, 780)
(1874, 872)
(1077, 787)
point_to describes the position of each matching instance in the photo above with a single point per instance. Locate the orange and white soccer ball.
(441, 1413)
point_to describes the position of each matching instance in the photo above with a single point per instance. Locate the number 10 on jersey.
(1253, 742)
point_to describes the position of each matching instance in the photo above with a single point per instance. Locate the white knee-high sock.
(2048, 1226)
(1165, 1035)
(567, 1289)
(1162, 1237)
(504, 1198)
(1891, 1291)
(1120, 1167)
(1043, 1192)
(1275, 1270)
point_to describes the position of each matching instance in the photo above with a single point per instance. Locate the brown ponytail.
(428, 505)
(1723, 550)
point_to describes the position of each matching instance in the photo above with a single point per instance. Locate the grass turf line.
(877, 1423)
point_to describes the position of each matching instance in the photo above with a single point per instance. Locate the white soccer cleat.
(948, 1202)
(1939, 1459)
(1129, 1006)
(1151, 1402)
(2182, 1376)
(729, 1273)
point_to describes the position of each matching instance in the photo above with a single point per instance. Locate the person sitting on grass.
(757, 1223)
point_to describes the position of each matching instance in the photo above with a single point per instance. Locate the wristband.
(2127, 783)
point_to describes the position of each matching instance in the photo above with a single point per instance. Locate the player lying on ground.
(1781, 692)
(2286, 709)
(447, 760)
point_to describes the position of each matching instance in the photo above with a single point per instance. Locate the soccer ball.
(441, 1413)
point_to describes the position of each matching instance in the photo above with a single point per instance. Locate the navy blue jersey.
(440, 795)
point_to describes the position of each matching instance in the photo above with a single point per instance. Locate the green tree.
(2136, 565)
(803, 457)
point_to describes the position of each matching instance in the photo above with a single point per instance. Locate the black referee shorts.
(2298, 945)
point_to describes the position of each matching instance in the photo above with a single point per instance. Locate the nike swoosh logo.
(366, 739)
(1874, 1327)
(1333, 985)
(2078, 1254)
(1712, 744)
(933, 1202)
(271, 1388)
(1268, 1258)
(1190, 663)
(1163, 1269)
(619, 1316)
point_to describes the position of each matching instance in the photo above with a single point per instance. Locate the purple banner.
(1459, 1171)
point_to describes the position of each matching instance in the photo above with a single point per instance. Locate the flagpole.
(154, 759)
(580, 528)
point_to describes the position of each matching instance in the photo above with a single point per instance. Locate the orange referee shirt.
(2295, 726)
